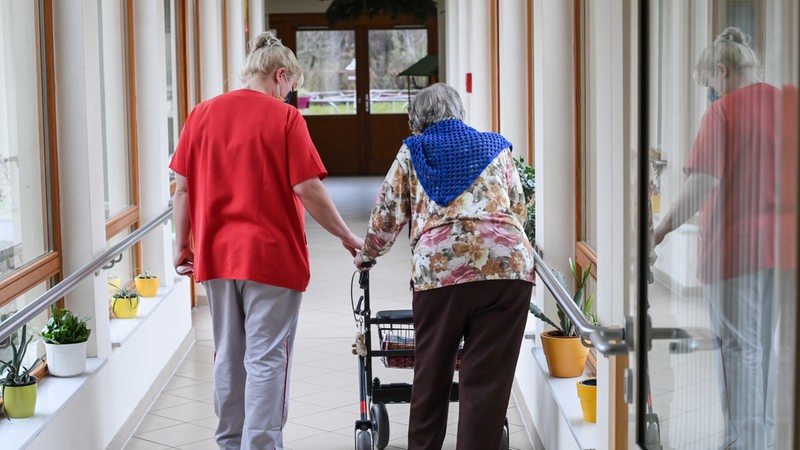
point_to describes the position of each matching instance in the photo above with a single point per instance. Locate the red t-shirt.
(241, 153)
(739, 144)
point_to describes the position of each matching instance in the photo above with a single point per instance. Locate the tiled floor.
(324, 387)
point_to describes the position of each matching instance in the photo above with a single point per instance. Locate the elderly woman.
(471, 271)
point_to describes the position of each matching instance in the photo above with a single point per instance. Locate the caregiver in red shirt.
(246, 168)
(743, 262)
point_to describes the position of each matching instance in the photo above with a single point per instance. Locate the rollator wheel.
(504, 441)
(380, 425)
(364, 440)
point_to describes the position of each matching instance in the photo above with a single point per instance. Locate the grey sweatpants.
(744, 314)
(254, 327)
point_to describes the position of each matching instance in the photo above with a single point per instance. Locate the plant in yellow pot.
(563, 349)
(146, 284)
(18, 385)
(124, 303)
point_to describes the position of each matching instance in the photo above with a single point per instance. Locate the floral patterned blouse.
(478, 236)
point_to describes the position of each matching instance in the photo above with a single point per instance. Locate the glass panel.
(114, 89)
(122, 273)
(589, 150)
(24, 221)
(723, 193)
(391, 52)
(172, 75)
(36, 350)
(328, 59)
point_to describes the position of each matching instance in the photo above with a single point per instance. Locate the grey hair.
(434, 104)
(732, 48)
(268, 54)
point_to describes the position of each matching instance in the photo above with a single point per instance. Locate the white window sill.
(52, 393)
(565, 392)
(121, 329)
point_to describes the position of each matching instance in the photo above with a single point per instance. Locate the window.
(119, 112)
(328, 59)
(29, 258)
(390, 52)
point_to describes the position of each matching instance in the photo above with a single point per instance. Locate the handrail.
(34, 308)
(591, 335)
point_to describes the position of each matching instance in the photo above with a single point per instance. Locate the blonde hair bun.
(265, 39)
(732, 34)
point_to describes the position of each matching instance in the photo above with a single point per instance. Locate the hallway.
(324, 389)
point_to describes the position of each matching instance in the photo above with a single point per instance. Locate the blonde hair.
(732, 48)
(268, 54)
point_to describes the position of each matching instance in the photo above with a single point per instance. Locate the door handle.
(687, 340)
(366, 101)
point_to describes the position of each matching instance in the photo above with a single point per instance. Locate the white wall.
(513, 76)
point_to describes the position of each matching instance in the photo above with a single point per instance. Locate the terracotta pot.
(566, 355)
(587, 393)
(20, 401)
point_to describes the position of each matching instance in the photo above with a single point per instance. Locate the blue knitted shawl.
(450, 155)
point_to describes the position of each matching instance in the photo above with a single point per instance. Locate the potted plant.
(527, 176)
(124, 303)
(65, 336)
(563, 349)
(18, 385)
(146, 284)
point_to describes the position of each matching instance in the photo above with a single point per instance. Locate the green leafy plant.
(146, 275)
(527, 176)
(64, 327)
(13, 372)
(565, 326)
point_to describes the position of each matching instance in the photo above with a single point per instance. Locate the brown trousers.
(491, 317)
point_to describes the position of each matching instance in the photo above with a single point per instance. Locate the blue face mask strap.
(712, 94)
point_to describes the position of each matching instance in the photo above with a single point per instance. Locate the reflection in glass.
(724, 235)
(23, 218)
(329, 69)
(390, 52)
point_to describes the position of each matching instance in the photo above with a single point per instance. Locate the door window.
(328, 59)
(390, 52)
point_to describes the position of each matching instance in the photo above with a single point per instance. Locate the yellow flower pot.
(20, 401)
(566, 355)
(146, 287)
(125, 308)
(587, 393)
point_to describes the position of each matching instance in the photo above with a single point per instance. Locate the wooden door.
(354, 102)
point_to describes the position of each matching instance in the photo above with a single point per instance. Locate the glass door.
(719, 134)
(353, 98)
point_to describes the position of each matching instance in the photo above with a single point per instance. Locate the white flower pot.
(66, 360)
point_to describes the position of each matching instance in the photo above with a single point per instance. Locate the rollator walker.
(395, 330)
